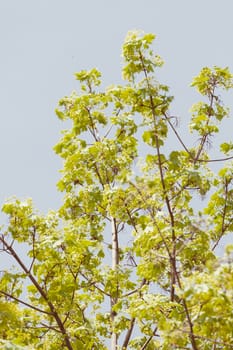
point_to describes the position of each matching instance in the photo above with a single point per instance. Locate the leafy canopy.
(128, 261)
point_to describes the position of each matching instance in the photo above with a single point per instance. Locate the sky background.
(43, 43)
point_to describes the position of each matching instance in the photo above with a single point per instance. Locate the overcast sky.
(44, 42)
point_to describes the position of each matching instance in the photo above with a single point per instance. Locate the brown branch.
(115, 264)
(149, 339)
(25, 303)
(174, 272)
(98, 174)
(211, 340)
(94, 284)
(167, 201)
(153, 219)
(205, 136)
(93, 130)
(223, 227)
(33, 249)
(177, 135)
(40, 290)
(191, 333)
(187, 150)
(128, 334)
(49, 327)
(130, 217)
(214, 160)
(144, 281)
(132, 323)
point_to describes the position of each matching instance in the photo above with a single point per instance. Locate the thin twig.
(149, 339)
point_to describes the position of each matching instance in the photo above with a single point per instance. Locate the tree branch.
(115, 263)
(149, 339)
(41, 292)
(128, 334)
(25, 303)
(223, 226)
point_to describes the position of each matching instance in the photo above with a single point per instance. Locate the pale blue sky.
(44, 42)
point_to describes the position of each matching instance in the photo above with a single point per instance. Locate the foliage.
(127, 262)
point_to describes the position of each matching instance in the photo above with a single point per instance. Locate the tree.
(128, 261)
